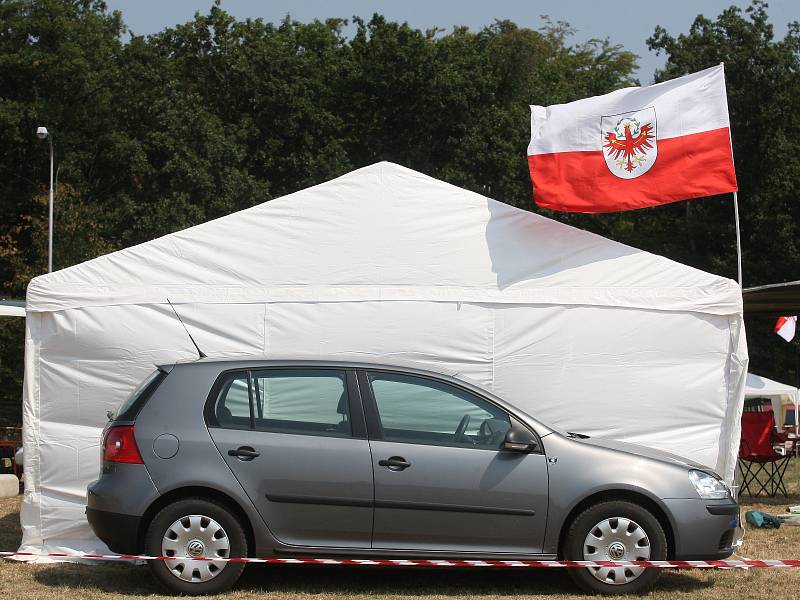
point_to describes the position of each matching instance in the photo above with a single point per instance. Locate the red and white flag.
(633, 148)
(785, 327)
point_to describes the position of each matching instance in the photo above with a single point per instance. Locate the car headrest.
(224, 414)
(341, 407)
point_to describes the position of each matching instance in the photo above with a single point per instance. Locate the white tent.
(12, 308)
(779, 393)
(585, 333)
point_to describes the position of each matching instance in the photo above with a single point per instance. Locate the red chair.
(761, 466)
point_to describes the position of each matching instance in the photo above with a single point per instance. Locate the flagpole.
(738, 237)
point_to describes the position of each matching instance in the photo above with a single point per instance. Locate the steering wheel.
(459, 436)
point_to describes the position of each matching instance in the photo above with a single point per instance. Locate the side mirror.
(520, 439)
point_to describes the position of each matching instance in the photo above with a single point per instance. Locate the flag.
(633, 148)
(785, 327)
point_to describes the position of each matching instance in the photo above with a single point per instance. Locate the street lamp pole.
(42, 133)
(50, 215)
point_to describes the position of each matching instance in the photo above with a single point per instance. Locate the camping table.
(792, 443)
(788, 443)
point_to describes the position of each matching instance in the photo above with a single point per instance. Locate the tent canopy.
(781, 394)
(12, 308)
(386, 263)
(761, 387)
(773, 300)
(385, 232)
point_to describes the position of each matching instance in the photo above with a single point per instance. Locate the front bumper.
(704, 529)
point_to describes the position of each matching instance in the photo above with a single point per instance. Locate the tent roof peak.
(385, 232)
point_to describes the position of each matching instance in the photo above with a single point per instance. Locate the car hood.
(643, 451)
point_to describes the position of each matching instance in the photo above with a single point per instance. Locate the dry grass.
(72, 581)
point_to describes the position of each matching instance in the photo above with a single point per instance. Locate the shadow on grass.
(10, 531)
(361, 582)
(780, 503)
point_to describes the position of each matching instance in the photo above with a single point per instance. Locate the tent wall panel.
(556, 363)
(449, 335)
(619, 373)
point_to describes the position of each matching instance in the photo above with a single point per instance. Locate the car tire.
(209, 529)
(615, 530)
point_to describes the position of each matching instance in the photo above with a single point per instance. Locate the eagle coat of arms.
(629, 142)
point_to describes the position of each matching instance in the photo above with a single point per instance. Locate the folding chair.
(762, 468)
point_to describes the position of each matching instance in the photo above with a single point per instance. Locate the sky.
(628, 23)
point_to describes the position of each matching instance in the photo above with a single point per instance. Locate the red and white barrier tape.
(648, 564)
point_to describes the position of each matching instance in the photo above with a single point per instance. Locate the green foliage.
(154, 134)
(214, 115)
(764, 105)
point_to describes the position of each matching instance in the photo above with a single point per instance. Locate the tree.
(56, 59)
(764, 105)
(158, 133)
(455, 105)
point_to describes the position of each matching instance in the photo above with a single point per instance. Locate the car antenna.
(199, 352)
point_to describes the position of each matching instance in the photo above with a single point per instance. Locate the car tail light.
(119, 445)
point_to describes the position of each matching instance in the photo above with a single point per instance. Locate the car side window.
(232, 405)
(418, 410)
(304, 401)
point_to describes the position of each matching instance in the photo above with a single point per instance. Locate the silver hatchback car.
(233, 458)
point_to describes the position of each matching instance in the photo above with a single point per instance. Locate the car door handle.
(244, 453)
(395, 463)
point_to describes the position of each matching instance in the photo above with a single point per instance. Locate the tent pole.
(738, 237)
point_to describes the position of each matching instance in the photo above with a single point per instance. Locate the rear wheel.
(615, 531)
(191, 529)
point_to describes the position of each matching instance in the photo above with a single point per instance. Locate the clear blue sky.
(629, 23)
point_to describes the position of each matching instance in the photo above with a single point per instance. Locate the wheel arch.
(630, 495)
(196, 491)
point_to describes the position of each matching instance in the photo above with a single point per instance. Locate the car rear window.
(131, 407)
(304, 401)
(291, 400)
(231, 407)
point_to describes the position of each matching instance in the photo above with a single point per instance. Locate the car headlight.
(708, 486)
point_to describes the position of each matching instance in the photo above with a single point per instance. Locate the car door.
(295, 439)
(442, 482)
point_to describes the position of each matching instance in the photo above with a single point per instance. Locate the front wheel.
(196, 528)
(615, 531)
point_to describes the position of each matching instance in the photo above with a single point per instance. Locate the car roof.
(352, 362)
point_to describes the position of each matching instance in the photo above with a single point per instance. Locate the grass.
(19, 581)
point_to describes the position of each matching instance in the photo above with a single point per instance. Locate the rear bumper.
(704, 529)
(116, 504)
(119, 532)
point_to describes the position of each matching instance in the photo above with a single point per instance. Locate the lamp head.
(42, 133)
